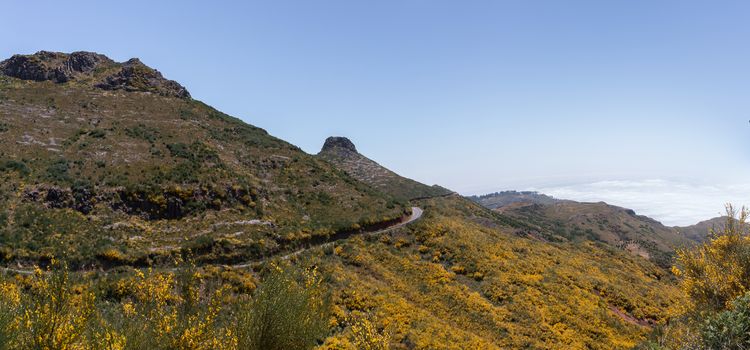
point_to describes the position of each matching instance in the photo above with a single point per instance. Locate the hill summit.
(91, 68)
(338, 144)
(342, 153)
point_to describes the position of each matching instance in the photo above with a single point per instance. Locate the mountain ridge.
(342, 152)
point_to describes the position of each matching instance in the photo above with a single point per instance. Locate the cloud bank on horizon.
(674, 203)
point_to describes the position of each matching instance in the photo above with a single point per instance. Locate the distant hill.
(563, 220)
(341, 152)
(504, 198)
(700, 232)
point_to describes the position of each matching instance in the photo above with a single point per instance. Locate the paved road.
(416, 214)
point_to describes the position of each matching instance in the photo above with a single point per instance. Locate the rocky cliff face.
(54, 66)
(136, 76)
(92, 68)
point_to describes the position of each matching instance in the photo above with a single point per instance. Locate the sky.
(590, 100)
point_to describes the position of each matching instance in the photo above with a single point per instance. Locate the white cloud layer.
(674, 203)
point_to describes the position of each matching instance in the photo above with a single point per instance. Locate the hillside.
(460, 278)
(341, 152)
(570, 221)
(110, 163)
(118, 171)
(463, 278)
(700, 232)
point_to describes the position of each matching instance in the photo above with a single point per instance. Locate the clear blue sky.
(473, 95)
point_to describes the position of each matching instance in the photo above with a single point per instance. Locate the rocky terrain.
(91, 68)
(341, 152)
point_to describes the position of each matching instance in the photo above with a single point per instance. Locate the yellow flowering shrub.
(55, 313)
(716, 273)
(366, 336)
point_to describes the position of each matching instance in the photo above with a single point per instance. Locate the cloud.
(674, 203)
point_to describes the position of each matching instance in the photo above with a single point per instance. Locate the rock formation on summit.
(343, 154)
(90, 67)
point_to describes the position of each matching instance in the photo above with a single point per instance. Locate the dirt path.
(416, 214)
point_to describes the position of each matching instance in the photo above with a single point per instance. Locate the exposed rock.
(337, 144)
(54, 66)
(342, 153)
(136, 76)
(60, 67)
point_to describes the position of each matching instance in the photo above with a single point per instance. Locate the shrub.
(54, 313)
(14, 165)
(367, 337)
(729, 329)
(97, 133)
(717, 272)
(289, 310)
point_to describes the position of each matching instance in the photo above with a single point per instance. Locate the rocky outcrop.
(136, 76)
(53, 66)
(105, 73)
(341, 152)
(338, 144)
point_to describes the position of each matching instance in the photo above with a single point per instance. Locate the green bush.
(288, 311)
(14, 165)
(729, 329)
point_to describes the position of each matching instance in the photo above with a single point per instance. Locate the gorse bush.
(52, 314)
(716, 278)
(163, 310)
(288, 311)
(716, 273)
(367, 337)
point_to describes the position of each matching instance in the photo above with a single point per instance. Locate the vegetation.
(187, 309)
(716, 278)
(461, 278)
(124, 182)
(569, 221)
(146, 175)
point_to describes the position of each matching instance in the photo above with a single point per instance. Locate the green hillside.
(185, 228)
(110, 163)
(569, 221)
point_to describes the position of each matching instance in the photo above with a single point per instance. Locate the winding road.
(416, 214)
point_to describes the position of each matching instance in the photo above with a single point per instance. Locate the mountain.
(118, 171)
(111, 163)
(501, 199)
(341, 152)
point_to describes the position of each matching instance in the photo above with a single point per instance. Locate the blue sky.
(475, 95)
